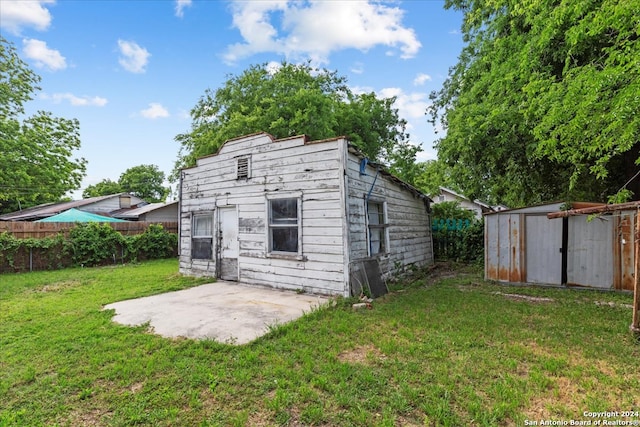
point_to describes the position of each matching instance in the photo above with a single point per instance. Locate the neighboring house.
(476, 206)
(75, 215)
(525, 246)
(102, 205)
(313, 216)
(153, 212)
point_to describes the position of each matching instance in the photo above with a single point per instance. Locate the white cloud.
(409, 105)
(317, 28)
(133, 57)
(42, 55)
(78, 101)
(357, 68)
(273, 67)
(22, 13)
(421, 79)
(180, 6)
(155, 111)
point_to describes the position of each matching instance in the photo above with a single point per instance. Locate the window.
(377, 228)
(202, 236)
(242, 171)
(284, 226)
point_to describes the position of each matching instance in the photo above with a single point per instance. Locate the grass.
(447, 349)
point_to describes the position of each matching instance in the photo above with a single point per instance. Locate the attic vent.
(243, 168)
(125, 201)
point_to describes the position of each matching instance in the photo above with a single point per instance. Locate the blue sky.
(130, 71)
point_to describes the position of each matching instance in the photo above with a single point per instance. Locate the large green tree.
(543, 103)
(293, 100)
(103, 188)
(144, 181)
(37, 163)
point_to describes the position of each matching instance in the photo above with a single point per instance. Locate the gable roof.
(75, 215)
(49, 209)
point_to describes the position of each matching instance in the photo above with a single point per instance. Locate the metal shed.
(525, 246)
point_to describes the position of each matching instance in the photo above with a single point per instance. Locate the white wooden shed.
(313, 216)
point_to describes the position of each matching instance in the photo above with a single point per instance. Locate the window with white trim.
(202, 236)
(377, 227)
(285, 227)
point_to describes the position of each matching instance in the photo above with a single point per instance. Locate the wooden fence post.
(635, 323)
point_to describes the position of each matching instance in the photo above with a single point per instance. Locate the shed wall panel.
(590, 252)
(543, 250)
(409, 229)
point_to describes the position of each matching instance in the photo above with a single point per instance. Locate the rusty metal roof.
(49, 209)
(594, 209)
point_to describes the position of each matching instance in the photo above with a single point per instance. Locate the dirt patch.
(363, 355)
(613, 304)
(259, 419)
(560, 402)
(58, 286)
(90, 417)
(527, 298)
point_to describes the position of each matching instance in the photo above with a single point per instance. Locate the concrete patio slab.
(227, 312)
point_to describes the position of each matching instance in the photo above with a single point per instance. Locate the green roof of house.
(75, 215)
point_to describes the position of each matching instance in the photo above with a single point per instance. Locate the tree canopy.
(293, 100)
(144, 181)
(543, 103)
(103, 188)
(37, 163)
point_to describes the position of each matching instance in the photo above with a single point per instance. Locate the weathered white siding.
(109, 204)
(409, 230)
(312, 171)
(166, 213)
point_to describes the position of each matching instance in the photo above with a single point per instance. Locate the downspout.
(363, 167)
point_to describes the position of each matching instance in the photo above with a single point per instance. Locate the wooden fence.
(39, 230)
(36, 258)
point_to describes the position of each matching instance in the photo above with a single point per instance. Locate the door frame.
(219, 240)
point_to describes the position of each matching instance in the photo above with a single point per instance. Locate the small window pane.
(202, 225)
(377, 240)
(376, 214)
(284, 239)
(377, 226)
(284, 211)
(201, 248)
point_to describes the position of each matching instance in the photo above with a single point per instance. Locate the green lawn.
(447, 349)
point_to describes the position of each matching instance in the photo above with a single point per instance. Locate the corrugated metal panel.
(503, 241)
(590, 252)
(543, 250)
(491, 265)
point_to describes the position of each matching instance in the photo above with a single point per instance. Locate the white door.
(228, 240)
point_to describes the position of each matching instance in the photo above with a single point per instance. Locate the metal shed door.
(228, 234)
(543, 249)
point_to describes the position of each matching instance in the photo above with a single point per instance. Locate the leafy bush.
(451, 210)
(154, 243)
(41, 254)
(95, 243)
(88, 244)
